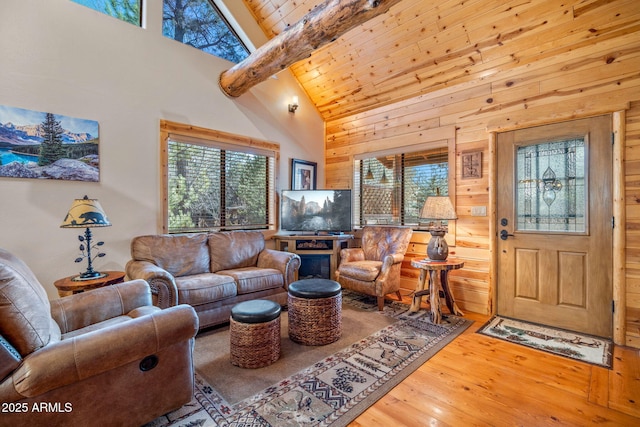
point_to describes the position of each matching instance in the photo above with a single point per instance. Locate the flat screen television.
(315, 211)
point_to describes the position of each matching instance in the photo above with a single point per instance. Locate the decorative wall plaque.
(472, 165)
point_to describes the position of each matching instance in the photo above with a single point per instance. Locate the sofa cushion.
(234, 249)
(25, 313)
(179, 254)
(254, 279)
(367, 271)
(205, 288)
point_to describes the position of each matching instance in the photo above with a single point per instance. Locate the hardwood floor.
(481, 381)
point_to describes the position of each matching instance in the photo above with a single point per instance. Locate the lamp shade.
(438, 207)
(87, 213)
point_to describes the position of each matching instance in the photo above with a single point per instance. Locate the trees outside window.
(199, 23)
(217, 181)
(125, 10)
(392, 188)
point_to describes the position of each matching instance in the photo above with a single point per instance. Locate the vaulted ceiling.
(420, 46)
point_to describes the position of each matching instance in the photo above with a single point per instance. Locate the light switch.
(478, 211)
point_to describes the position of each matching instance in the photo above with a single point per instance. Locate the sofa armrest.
(80, 310)
(162, 283)
(287, 262)
(351, 254)
(75, 359)
(392, 259)
(10, 359)
(388, 262)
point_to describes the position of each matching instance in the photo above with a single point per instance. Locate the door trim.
(619, 239)
(619, 235)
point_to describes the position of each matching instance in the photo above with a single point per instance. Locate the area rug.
(234, 384)
(586, 348)
(331, 390)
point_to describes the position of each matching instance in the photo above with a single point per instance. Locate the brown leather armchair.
(374, 268)
(103, 357)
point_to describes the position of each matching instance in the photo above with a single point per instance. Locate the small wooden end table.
(68, 286)
(433, 267)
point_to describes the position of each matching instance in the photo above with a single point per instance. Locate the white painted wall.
(60, 57)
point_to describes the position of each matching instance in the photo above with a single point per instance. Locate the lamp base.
(89, 276)
(438, 249)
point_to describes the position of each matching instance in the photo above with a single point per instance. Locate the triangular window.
(199, 23)
(125, 10)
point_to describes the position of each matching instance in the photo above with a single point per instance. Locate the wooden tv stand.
(312, 244)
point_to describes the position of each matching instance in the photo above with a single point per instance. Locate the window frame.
(214, 138)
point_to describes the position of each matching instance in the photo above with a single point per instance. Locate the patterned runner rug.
(585, 348)
(335, 390)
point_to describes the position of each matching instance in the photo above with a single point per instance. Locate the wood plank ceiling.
(420, 46)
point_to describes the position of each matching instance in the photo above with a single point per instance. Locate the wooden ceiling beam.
(319, 27)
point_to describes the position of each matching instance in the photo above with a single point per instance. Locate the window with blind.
(391, 188)
(212, 185)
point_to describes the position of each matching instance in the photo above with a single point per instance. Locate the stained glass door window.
(552, 186)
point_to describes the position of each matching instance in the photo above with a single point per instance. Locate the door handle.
(504, 234)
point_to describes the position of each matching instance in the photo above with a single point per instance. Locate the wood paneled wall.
(575, 75)
(420, 46)
(632, 226)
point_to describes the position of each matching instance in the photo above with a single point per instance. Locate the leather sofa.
(211, 271)
(103, 357)
(374, 268)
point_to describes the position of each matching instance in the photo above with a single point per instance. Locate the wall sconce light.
(294, 104)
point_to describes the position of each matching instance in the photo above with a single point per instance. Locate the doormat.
(336, 389)
(574, 345)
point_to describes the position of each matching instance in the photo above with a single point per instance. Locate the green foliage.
(70, 151)
(196, 201)
(198, 24)
(179, 203)
(422, 182)
(125, 10)
(27, 149)
(51, 148)
(193, 184)
(77, 151)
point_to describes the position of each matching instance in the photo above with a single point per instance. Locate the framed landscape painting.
(41, 145)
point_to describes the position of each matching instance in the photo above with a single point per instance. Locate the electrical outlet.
(478, 211)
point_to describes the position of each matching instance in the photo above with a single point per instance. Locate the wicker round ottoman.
(255, 333)
(315, 311)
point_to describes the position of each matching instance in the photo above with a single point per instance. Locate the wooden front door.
(554, 213)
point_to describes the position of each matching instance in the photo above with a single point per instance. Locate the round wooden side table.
(432, 268)
(68, 286)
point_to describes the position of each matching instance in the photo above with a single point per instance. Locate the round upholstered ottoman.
(255, 333)
(315, 311)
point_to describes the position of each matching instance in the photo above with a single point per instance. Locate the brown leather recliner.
(103, 357)
(374, 268)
